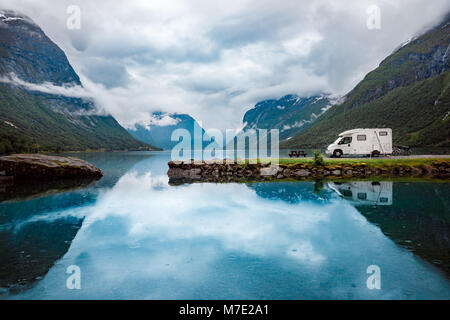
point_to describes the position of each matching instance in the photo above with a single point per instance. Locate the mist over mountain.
(42, 104)
(160, 131)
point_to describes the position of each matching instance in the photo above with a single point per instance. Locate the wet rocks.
(222, 171)
(269, 171)
(336, 172)
(302, 173)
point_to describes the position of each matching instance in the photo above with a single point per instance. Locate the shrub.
(318, 186)
(318, 158)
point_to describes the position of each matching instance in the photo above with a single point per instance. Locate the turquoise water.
(134, 236)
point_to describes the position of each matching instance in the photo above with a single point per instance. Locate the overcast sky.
(215, 59)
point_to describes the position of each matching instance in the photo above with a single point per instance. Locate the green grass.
(356, 162)
(369, 162)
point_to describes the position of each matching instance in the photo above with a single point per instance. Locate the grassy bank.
(370, 162)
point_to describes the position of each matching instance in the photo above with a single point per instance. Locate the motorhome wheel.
(337, 153)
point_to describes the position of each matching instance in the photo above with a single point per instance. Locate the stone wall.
(191, 171)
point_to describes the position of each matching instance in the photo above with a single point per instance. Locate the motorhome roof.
(350, 132)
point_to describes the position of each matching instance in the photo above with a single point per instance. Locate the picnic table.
(297, 153)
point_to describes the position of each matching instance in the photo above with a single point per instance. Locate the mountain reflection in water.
(141, 238)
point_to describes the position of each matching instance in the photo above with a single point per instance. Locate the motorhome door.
(345, 145)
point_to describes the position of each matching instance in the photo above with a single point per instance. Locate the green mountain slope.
(27, 124)
(32, 121)
(408, 92)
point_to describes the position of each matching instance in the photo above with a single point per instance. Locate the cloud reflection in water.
(146, 239)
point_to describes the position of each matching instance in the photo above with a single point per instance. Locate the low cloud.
(159, 121)
(47, 87)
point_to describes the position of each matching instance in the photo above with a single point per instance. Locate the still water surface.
(135, 236)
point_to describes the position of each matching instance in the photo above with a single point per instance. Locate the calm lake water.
(135, 236)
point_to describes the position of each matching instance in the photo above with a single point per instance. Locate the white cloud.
(213, 59)
(47, 87)
(301, 46)
(159, 121)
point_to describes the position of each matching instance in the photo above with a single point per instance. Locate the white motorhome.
(364, 192)
(371, 142)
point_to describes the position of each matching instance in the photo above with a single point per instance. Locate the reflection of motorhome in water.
(372, 142)
(364, 192)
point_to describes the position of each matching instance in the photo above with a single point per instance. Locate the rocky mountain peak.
(29, 54)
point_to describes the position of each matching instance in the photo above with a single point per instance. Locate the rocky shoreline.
(204, 171)
(23, 167)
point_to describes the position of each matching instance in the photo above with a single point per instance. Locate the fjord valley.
(139, 219)
(407, 92)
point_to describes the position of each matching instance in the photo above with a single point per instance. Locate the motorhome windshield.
(345, 140)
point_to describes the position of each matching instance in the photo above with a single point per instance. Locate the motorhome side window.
(346, 140)
(383, 133)
(361, 137)
(362, 195)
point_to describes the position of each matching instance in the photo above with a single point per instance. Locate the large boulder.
(38, 166)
